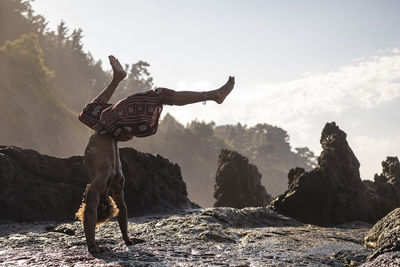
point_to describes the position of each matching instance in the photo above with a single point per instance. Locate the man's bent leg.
(119, 75)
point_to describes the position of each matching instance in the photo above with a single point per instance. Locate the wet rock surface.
(238, 183)
(386, 259)
(333, 193)
(38, 187)
(384, 238)
(203, 237)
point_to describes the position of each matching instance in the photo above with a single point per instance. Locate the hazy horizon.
(297, 64)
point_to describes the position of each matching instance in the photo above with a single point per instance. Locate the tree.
(14, 19)
(202, 129)
(307, 155)
(24, 59)
(139, 78)
(76, 41)
(62, 32)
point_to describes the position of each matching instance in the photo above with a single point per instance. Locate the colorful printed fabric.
(137, 115)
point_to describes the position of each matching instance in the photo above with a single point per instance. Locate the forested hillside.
(197, 145)
(46, 78)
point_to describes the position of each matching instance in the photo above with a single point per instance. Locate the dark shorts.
(137, 115)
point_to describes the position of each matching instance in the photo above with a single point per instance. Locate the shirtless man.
(101, 156)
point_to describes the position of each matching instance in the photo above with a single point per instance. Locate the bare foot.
(119, 73)
(224, 91)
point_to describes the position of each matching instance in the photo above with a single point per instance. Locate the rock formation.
(384, 238)
(385, 190)
(332, 193)
(238, 183)
(37, 187)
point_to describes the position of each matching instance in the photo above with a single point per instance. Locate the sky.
(297, 64)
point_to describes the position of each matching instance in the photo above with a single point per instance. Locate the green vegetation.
(46, 78)
(196, 148)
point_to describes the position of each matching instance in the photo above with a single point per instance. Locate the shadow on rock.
(133, 257)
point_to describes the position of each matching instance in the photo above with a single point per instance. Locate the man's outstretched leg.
(181, 98)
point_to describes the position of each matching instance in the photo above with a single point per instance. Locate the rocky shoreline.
(201, 237)
(330, 210)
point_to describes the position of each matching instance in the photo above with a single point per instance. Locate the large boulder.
(238, 183)
(36, 187)
(331, 194)
(384, 238)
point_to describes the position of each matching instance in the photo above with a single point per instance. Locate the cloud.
(372, 151)
(366, 84)
(304, 105)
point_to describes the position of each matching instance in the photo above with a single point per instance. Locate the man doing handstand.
(136, 115)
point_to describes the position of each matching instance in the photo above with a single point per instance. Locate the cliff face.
(238, 183)
(38, 187)
(334, 193)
